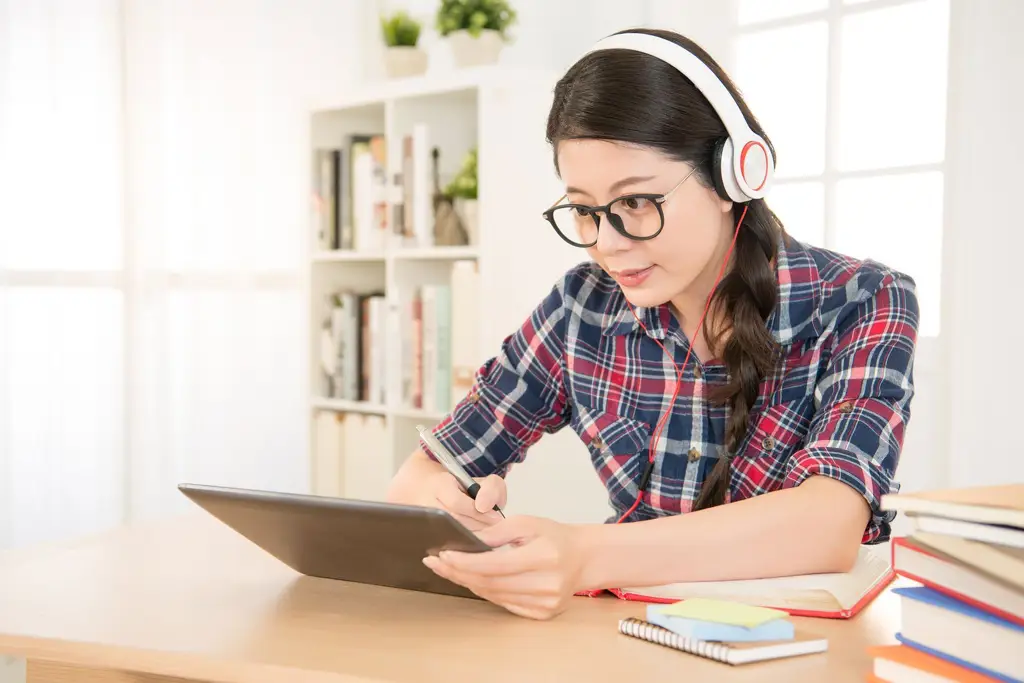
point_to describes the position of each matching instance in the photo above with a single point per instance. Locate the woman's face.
(697, 221)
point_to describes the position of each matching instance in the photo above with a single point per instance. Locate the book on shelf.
(439, 326)
(352, 346)
(439, 343)
(342, 464)
(962, 619)
(362, 203)
(838, 595)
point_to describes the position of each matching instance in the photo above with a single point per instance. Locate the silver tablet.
(382, 544)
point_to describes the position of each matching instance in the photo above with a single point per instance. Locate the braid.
(742, 303)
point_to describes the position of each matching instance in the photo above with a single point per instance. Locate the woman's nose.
(610, 240)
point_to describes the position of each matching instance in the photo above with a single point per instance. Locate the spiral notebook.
(729, 653)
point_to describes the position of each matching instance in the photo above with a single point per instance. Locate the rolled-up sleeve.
(517, 395)
(863, 401)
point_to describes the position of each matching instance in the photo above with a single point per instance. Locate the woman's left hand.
(533, 572)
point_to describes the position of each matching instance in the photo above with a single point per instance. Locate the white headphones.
(744, 167)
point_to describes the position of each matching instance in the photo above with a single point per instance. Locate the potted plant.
(463, 191)
(401, 35)
(476, 29)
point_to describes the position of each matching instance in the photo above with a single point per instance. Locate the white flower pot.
(403, 61)
(470, 51)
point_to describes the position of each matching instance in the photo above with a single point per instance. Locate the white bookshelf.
(518, 258)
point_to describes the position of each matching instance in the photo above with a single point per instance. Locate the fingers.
(532, 595)
(462, 507)
(509, 531)
(492, 492)
(525, 582)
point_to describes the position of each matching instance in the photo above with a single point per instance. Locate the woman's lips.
(633, 277)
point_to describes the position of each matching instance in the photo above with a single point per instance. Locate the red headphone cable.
(646, 476)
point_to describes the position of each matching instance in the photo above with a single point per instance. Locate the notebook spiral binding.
(638, 628)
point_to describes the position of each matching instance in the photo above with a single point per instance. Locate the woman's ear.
(724, 204)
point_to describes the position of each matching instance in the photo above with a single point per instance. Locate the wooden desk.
(191, 600)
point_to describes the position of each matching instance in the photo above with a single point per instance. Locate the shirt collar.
(795, 316)
(620, 319)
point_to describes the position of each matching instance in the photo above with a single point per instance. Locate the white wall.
(984, 246)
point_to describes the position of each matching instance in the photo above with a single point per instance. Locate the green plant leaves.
(474, 16)
(464, 184)
(400, 30)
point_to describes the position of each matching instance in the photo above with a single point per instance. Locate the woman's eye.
(581, 211)
(636, 203)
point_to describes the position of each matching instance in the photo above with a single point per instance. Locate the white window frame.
(929, 349)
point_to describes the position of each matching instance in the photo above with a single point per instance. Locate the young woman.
(702, 355)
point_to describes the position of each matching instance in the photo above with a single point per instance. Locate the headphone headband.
(746, 164)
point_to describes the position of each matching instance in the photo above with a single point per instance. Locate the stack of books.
(962, 617)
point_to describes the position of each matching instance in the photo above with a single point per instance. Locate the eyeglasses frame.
(656, 198)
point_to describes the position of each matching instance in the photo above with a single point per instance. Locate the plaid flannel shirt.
(836, 405)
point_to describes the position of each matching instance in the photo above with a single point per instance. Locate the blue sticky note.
(697, 629)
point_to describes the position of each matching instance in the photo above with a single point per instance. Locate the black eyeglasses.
(637, 216)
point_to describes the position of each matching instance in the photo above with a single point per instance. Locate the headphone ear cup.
(725, 173)
(717, 169)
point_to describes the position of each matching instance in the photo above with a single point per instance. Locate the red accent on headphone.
(743, 165)
(645, 478)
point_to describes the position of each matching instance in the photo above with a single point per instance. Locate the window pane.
(751, 11)
(892, 109)
(60, 146)
(781, 74)
(801, 208)
(875, 219)
(61, 412)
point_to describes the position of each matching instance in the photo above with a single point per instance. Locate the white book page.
(833, 591)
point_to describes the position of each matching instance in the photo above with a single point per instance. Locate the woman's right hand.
(421, 481)
(473, 514)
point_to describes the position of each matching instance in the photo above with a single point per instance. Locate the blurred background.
(226, 255)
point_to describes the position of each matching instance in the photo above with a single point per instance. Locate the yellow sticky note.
(722, 612)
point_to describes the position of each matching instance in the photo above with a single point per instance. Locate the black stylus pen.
(468, 484)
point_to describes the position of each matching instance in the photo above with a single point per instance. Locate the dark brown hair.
(628, 96)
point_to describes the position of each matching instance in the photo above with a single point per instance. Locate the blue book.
(698, 629)
(953, 630)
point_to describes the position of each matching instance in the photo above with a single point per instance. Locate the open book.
(834, 596)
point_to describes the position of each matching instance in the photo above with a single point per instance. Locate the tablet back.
(350, 540)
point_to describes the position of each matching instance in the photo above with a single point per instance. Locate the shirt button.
(846, 407)
(597, 442)
(694, 455)
(697, 371)
(474, 397)
(768, 443)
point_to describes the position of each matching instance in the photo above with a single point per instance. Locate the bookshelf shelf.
(435, 254)
(342, 406)
(451, 84)
(427, 416)
(398, 254)
(347, 256)
(394, 318)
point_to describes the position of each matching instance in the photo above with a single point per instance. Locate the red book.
(831, 596)
(958, 580)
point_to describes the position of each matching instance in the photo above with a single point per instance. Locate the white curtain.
(62, 328)
(152, 225)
